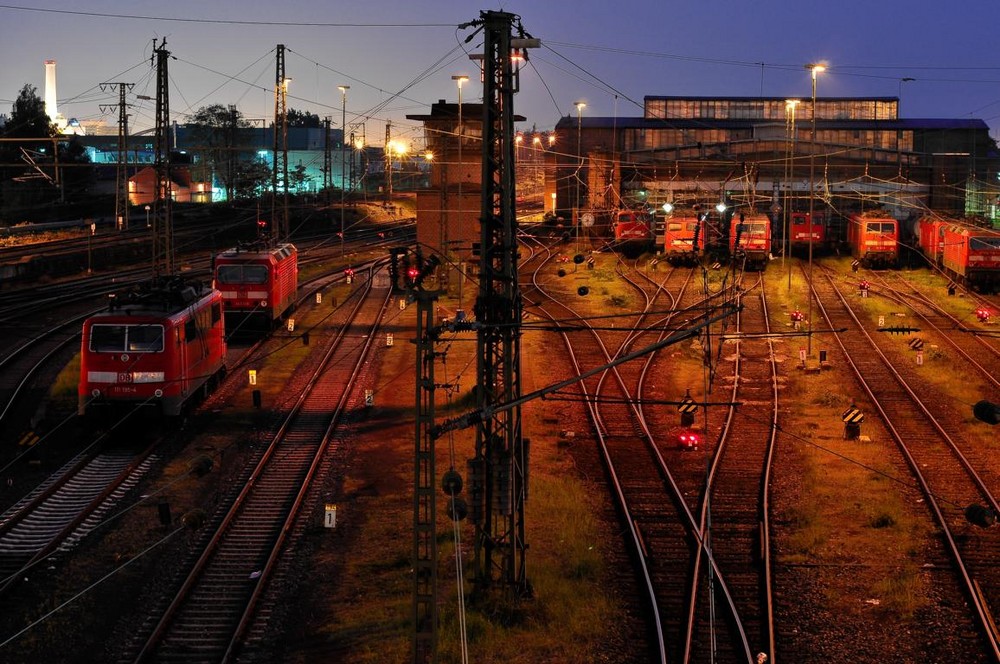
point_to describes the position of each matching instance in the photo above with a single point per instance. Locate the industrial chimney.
(50, 90)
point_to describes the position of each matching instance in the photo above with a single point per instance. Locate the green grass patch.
(66, 383)
(902, 592)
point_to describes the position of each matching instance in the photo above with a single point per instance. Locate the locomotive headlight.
(263, 303)
(95, 393)
(158, 393)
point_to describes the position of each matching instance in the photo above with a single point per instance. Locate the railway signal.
(687, 408)
(983, 314)
(852, 417)
(395, 256)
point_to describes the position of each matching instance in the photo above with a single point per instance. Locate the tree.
(303, 119)
(251, 178)
(28, 120)
(298, 178)
(214, 129)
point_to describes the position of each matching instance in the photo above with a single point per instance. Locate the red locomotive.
(633, 231)
(158, 345)
(971, 255)
(928, 233)
(800, 230)
(683, 238)
(750, 238)
(874, 239)
(258, 284)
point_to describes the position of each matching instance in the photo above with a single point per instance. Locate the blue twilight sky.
(399, 56)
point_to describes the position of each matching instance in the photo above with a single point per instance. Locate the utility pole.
(499, 471)
(163, 247)
(279, 216)
(231, 141)
(343, 159)
(388, 163)
(358, 175)
(121, 172)
(327, 160)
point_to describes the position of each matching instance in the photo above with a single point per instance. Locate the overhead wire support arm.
(476, 416)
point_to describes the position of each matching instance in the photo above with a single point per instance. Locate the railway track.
(64, 509)
(979, 352)
(660, 529)
(218, 611)
(734, 511)
(938, 460)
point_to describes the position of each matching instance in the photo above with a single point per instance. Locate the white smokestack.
(50, 90)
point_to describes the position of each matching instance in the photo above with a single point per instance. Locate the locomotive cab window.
(242, 274)
(126, 338)
(981, 243)
(145, 338)
(881, 227)
(751, 229)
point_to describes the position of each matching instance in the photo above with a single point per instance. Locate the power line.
(309, 24)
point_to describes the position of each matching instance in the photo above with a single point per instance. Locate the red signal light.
(689, 440)
(412, 273)
(983, 314)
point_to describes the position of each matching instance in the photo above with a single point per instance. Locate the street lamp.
(790, 105)
(343, 158)
(815, 69)
(580, 105)
(459, 79)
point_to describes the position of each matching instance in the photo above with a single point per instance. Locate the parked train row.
(164, 343)
(968, 252)
(686, 236)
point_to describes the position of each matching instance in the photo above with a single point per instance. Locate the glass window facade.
(769, 109)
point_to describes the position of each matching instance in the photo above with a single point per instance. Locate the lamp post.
(459, 79)
(536, 142)
(580, 105)
(343, 158)
(790, 105)
(815, 69)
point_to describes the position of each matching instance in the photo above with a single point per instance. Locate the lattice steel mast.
(121, 172)
(279, 173)
(498, 472)
(163, 232)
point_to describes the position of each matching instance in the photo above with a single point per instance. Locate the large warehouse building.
(760, 154)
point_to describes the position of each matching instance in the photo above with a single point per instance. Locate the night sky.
(399, 56)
